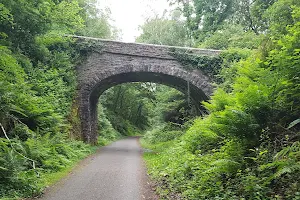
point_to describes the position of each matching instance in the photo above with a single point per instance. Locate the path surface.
(116, 172)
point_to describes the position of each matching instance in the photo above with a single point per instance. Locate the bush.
(24, 165)
(248, 145)
(106, 131)
(162, 133)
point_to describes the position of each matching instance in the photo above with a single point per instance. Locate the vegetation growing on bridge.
(210, 65)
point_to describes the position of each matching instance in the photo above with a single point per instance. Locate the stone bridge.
(110, 63)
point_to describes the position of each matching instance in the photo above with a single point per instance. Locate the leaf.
(18, 110)
(293, 123)
(2, 168)
(263, 152)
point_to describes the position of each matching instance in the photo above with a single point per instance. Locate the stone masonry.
(119, 62)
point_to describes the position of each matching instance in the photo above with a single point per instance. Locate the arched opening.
(88, 105)
(131, 109)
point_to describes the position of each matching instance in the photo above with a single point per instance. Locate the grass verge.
(154, 159)
(52, 178)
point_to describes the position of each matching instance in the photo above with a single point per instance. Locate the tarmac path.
(115, 172)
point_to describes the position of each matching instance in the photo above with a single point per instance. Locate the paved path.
(116, 172)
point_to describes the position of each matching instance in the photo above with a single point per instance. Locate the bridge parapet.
(146, 50)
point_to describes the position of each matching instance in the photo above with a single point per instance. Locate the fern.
(291, 157)
(288, 151)
(223, 166)
(288, 169)
(293, 123)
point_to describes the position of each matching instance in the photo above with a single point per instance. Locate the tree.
(232, 36)
(251, 14)
(164, 31)
(128, 106)
(97, 22)
(205, 17)
(37, 86)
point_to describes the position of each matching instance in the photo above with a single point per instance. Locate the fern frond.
(285, 152)
(288, 170)
(223, 165)
(3, 168)
(293, 123)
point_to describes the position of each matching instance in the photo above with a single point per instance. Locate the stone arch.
(121, 63)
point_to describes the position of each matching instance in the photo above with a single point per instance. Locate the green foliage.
(232, 36)
(98, 26)
(172, 106)
(65, 17)
(127, 107)
(280, 16)
(285, 61)
(210, 65)
(206, 15)
(37, 85)
(162, 134)
(252, 15)
(164, 31)
(133, 108)
(248, 145)
(6, 21)
(106, 130)
(235, 54)
(21, 176)
(220, 24)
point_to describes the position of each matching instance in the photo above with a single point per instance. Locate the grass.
(50, 179)
(153, 159)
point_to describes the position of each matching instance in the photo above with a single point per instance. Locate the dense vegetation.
(247, 147)
(134, 108)
(37, 82)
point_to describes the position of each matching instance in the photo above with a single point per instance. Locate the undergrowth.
(37, 90)
(27, 166)
(248, 146)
